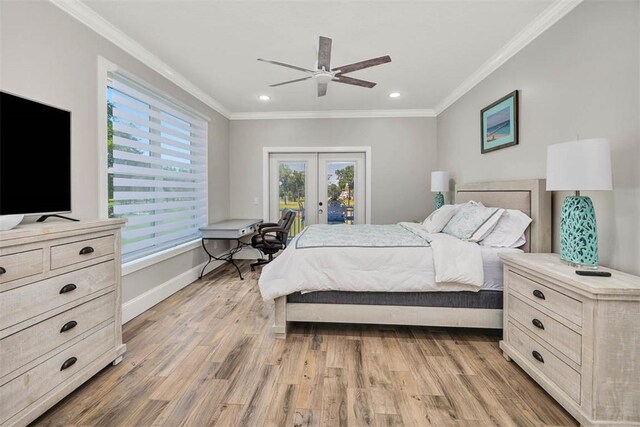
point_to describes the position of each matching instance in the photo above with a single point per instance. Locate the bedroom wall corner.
(581, 78)
(51, 57)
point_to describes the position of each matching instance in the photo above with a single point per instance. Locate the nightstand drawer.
(544, 361)
(544, 296)
(25, 302)
(553, 332)
(27, 345)
(21, 264)
(83, 250)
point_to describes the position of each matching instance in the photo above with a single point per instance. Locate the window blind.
(157, 166)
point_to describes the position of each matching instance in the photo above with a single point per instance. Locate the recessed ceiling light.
(394, 94)
(264, 97)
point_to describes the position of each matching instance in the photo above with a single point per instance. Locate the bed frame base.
(384, 315)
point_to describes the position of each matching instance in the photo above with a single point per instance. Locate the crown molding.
(331, 114)
(97, 23)
(539, 25)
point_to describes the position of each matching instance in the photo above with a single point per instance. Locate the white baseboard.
(248, 253)
(145, 301)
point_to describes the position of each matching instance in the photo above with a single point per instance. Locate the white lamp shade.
(579, 165)
(440, 181)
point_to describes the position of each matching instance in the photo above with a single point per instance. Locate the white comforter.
(448, 265)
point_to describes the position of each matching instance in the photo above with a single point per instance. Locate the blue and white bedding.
(401, 235)
(380, 258)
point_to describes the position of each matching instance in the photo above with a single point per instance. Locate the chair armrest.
(266, 224)
(267, 230)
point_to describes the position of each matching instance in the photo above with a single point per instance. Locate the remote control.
(593, 273)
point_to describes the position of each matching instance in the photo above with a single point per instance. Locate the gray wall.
(579, 78)
(50, 57)
(403, 154)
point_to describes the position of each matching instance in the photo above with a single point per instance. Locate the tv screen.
(35, 157)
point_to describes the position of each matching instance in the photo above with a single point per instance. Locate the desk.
(231, 229)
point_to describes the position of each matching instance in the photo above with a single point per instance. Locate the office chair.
(272, 237)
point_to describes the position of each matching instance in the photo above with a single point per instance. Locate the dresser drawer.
(25, 302)
(83, 250)
(27, 345)
(553, 332)
(26, 389)
(544, 296)
(21, 264)
(544, 361)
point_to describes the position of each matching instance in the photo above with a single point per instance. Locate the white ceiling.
(434, 46)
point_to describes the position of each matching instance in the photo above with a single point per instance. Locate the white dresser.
(60, 312)
(577, 336)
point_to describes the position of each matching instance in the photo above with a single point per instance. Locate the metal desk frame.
(228, 230)
(228, 257)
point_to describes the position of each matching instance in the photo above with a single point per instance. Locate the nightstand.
(576, 336)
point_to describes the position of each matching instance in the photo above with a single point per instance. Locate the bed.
(449, 306)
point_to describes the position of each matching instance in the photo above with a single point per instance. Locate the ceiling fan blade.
(363, 64)
(290, 81)
(324, 54)
(351, 81)
(322, 89)
(282, 64)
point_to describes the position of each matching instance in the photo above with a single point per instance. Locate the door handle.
(320, 211)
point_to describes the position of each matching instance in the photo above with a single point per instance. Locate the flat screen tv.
(35, 157)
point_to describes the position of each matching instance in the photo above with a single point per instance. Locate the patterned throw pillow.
(439, 218)
(470, 218)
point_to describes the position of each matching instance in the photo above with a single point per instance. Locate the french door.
(322, 188)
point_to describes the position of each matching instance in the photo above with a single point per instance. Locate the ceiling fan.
(323, 73)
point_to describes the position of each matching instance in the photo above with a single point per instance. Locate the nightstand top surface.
(550, 265)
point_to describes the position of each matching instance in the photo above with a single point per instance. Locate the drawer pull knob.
(538, 324)
(537, 356)
(538, 294)
(68, 288)
(86, 250)
(69, 325)
(68, 363)
(3, 270)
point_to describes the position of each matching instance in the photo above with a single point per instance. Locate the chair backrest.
(285, 222)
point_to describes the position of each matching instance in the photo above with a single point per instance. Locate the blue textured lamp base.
(439, 200)
(578, 232)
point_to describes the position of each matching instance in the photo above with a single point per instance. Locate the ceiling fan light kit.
(323, 73)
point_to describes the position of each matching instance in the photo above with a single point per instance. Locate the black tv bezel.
(70, 155)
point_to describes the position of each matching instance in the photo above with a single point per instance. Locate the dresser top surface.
(54, 228)
(550, 265)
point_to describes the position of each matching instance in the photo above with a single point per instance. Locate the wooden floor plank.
(207, 356)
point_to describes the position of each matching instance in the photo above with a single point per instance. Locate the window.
(157, 168)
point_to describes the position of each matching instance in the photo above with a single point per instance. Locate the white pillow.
(487, 227)
(439, 218)
(509, 231)
(472, 220)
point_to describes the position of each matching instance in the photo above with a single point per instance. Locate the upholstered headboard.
(529, 196)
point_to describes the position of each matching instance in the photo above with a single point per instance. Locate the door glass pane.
(291, 190)
(340, 192)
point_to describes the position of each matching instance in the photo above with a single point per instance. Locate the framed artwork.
(499, 124)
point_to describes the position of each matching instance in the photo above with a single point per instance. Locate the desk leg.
(237, 249)
(228, 258)
(208, 262)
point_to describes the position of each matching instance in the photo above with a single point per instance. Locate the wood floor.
(207, 356)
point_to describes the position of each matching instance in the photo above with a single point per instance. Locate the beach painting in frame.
(499, 123)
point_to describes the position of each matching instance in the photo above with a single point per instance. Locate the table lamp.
(583, 165)
(439, 183)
